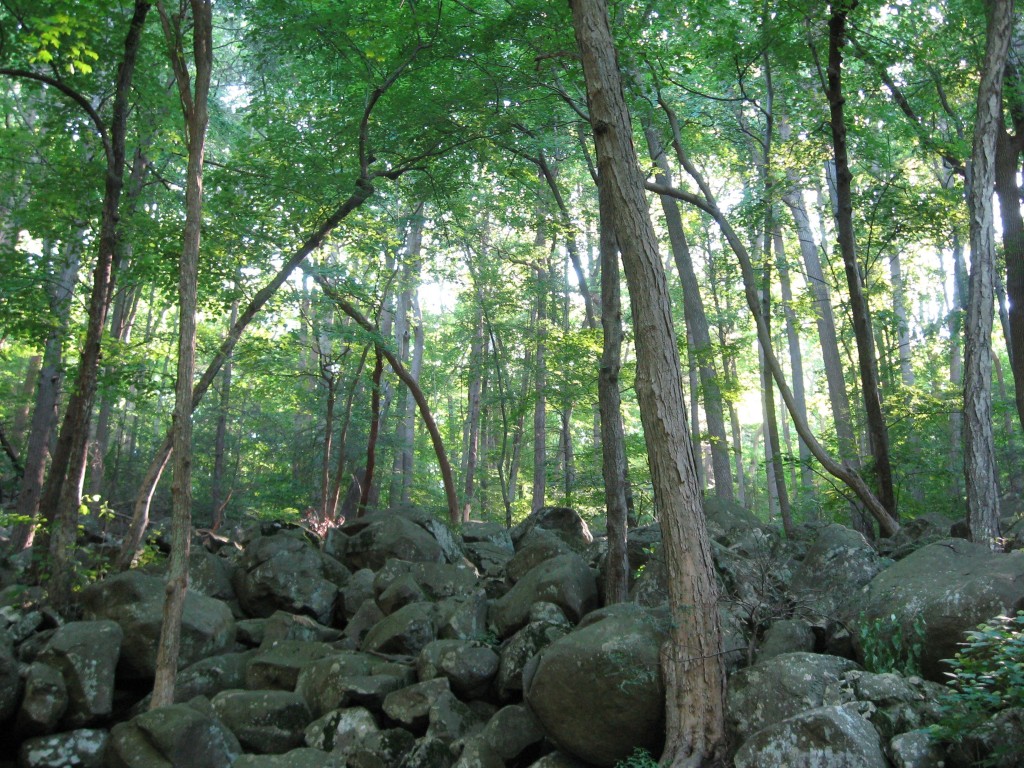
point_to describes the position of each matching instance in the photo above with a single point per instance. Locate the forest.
(300, 260)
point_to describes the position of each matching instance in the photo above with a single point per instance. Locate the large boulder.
(266, 722)
(406, 631)
(285, 573)
(565, 523)
(938, 593)
(370, 541)
(82, 748)
(349, 679)
(838, 562)
(827, 737)
(597, 692)
(178, 735)
(136, 602)
(45, 700)
(277, 666)
(567, 581)
(517, 651)
(85, 653)
(780, 687)
(468, 666)
(10, 682)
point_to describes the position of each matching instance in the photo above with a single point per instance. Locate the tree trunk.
(696, 323)
(1009, 195)
(540, 432)
(692, 660)
(614, 467)
(195, 106)
(956, 369)
(217, 501)
(979, 443)
(62, 494)
(371, 440)
(472, 438)
(44, 414)
(877, 430)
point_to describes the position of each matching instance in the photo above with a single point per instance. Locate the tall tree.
(194, 92)
(692, 661)
(979, 442)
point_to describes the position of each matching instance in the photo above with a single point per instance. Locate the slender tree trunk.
(195, 107)
(1008, 149)
(979, 442)
(331, 508)
(220, 441)
(473, 406)
(29, 386)
(956, 369)
(614, 466)
(773, 448)
(44, 414)
(62, 494)
(540, 432)
(371, 440)
(696, 322)
(692, 660)
(877, 430)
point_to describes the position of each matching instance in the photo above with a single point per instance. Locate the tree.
(692, 661)
(979, 443)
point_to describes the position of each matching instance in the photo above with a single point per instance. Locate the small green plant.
(987, 677)
(640, 758)
(886, 647)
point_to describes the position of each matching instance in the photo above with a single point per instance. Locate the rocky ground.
(400, 643)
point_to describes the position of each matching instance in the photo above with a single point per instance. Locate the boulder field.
(397, 642)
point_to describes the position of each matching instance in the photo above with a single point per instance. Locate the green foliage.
(640, 758)
(987, 677)
(887, 647)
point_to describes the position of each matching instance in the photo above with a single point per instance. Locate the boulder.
(410, 706)
(567, 581)
(778, 688)
(406, 631)
(435, 580)
(728, 522)
(786, 636)
(565, 523)
(451, 719)
(45, 700)
(541, 545)
(356, 592)
(10, 682)
(340, 730)
(512, 732)
(517, 652)
(463, 617)
(284, 573)
(81, 748)
(177, 735)
(278, 667)
(136, 602)
(266, 722)
(428, 752)
(826, 737)
(370, 541)
(303, 757)
(945, 589)
(207, 677)
(282, 626)
(348, 679)
(468, 666)
(210, 575)
(382, 749)
(839, 562)
(916, 749)
(85, 653)
(597, 692)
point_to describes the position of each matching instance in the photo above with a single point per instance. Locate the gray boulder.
(840, 561)
(949, 588)
(597, 692)
(462, 617)
(567, 581)
(729, 523)
(436, 580)
(512, 731)
(278, 667)
(468, 666)
(179, 736)
(10, 682)
(45, 700)
(410, 706)
(786, 636)
(282, 626)
(451, 719)
(356, 592)
(370, 541)
(428, 752)
(82, 748)
(266, 722)
(517, 652)
(136, 602)
(779, 688)
(827, 737)
(341, 730)
(206, 678)
(303, 757)
(916, 749)
(284, 573)
(541, 545)
(565, 523)
(406, 631)
(85, 653)
(349, 679)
